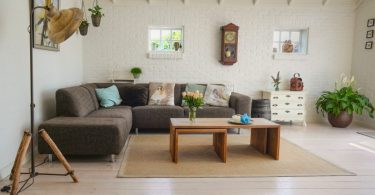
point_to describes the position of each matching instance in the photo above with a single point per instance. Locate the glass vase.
(192, 114)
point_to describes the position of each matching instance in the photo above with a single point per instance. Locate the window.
(166, 39)
(297, 40)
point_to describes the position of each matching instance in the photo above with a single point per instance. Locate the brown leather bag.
(296, 83)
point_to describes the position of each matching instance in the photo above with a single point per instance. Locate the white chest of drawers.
(287, 106)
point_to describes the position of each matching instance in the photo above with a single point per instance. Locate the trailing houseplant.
(136, 71)
(341, 103)
(96, 13)
(83, 28)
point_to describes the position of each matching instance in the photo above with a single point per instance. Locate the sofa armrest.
(240, 103)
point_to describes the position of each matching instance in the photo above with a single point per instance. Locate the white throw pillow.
(161, 94)
(217, 95)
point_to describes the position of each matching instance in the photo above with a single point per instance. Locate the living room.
(237, 47)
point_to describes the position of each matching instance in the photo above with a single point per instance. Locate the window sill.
(289, 56)
(165, 55)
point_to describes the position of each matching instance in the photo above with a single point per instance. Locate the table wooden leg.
(258, 139)
(175, 159)
(171, 142)
(273, 142)
(220, 145)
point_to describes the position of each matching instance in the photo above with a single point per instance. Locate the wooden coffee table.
(265, 135)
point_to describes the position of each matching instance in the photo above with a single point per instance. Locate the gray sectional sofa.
(82, 127)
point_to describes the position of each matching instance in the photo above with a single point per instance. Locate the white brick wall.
(364, 60)
(122, 41)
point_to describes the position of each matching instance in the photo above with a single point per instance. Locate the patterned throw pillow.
(217, 95)
(161, 94)
(193, 88)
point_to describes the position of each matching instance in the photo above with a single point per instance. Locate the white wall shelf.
(165, 55)
(289, 56)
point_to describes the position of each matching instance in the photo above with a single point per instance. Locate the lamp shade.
(62, 24)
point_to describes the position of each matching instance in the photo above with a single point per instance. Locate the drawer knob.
(300, 113)
(275, 113)
(275, 97)
(301, 98)
(287, 96)
(274, 105)
(287, 103)
(299, 105)
(287, 111)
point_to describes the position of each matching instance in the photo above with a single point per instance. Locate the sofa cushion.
(155, 116)
(161, 94)
(134, 95)
(85, 135)
(113, 112)
(217, 95)
(74, 102)
(91, 89)
(212, 112)
(108, 96)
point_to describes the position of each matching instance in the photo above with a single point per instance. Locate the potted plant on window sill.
(136, 72)
(341, 103)
(96, 14)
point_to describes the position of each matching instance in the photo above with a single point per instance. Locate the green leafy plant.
(344, 98)
(136, 70)
(84, 23)
(96, 11)
(276, 81)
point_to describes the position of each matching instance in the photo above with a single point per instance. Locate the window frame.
(171, 41)
(303, 42)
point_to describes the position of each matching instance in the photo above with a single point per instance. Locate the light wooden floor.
(343, 147)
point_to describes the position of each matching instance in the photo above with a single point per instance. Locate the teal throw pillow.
(108, 96)
(192, 88)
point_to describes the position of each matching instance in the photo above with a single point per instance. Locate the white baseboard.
(5, 171)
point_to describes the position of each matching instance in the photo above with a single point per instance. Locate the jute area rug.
(148, 156)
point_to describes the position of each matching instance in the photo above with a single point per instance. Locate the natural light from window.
(166, 39)
(290, 41)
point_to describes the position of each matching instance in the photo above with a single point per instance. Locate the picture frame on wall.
(368, 45)
(371, 22)
(41, 40)
(370, 34)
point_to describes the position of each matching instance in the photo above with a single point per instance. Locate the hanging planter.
(96, 13)
(84, 27)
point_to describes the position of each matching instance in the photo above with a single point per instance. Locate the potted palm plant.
(96, 14)
(83, 28)
(136, 71)
(341, 103)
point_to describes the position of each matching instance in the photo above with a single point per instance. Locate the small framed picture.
(371, 22)
(368, 45)
(370, 34)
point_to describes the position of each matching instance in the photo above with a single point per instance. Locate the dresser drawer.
(287, 114)
(287, 104)
(287, 97)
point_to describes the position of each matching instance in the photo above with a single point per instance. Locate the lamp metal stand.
(28, 137)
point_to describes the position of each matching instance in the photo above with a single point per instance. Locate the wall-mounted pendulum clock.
(229, 44)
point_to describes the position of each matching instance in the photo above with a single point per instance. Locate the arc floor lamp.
(61, 25)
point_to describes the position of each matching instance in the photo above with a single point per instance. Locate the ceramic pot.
(343, 120)
(83, 30)
(96, 20)
(136, 76)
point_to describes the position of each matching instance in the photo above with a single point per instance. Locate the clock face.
(230, 37)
